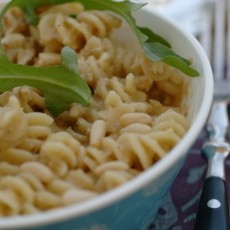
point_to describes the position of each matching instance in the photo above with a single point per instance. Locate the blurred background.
(186, 12)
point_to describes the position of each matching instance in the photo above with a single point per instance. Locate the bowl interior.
(198, 103)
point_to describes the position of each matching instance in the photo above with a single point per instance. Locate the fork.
(213, 209)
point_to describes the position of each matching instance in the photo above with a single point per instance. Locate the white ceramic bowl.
(134, 205)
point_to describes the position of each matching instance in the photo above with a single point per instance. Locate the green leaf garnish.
(61, 85)
(155, 47)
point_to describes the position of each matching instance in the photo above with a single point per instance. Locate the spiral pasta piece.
(8, 169)
(9, 205)
(166, 132)
(29, 98)
(13, 124)
(40, 171)
(113, 178)
(26, 190)
(92, 68)
(81, 179)
(172, 120)
(39, 128)
(21, 189)
(60, 152)
(98, 23)
(13, 21)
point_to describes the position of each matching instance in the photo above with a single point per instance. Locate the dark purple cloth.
(178, 210)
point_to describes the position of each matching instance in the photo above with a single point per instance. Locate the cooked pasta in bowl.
(100, 102)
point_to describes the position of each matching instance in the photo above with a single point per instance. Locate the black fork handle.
(213, 210)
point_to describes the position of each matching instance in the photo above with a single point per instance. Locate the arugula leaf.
(61, 85)
(155, 47)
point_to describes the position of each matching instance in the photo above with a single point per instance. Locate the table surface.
(178, 210)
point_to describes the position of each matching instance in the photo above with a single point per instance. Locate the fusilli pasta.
(134, 118)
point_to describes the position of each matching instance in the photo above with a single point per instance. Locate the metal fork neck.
(216, 149)
(216, 154)
(218, 121)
